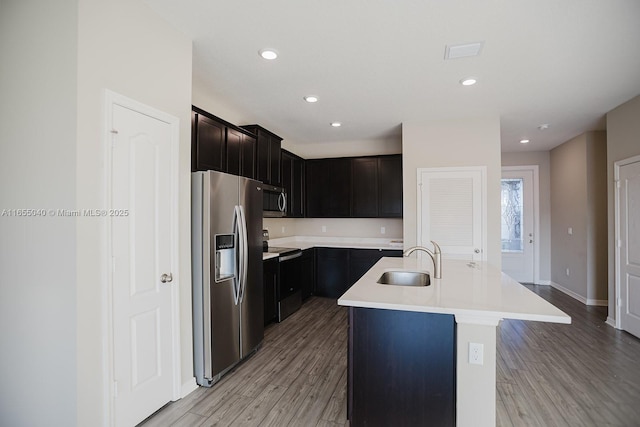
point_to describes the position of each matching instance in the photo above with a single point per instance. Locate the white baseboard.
(189, 387)
(569, 292)
(544, 282)
(585, 301)
(611, 322)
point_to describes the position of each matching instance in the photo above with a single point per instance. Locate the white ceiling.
(377, 63)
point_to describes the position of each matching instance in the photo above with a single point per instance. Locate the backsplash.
(334, 227)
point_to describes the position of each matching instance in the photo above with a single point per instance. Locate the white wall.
(623, 141)
(542, 160)
(459, 142)
(125, 47)
(37, 254)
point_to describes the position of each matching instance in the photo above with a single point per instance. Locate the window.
(511, 222)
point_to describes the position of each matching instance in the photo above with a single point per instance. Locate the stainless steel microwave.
(275, 201)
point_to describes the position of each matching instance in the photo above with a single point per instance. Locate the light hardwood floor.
(583, 374)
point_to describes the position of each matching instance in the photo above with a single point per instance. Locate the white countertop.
(268, 255)
(480, 294)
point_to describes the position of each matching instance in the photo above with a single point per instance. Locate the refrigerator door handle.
(206, 290)
(244, 253)
(238, 231)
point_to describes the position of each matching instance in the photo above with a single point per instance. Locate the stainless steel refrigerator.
(228, 306)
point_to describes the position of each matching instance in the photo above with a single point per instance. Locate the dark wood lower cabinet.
(332, 266)
(308, 274)
(339, 268)
(401, 368)
(361, 260)
(271, 268)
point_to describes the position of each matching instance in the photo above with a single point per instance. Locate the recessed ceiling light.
(311, 98)
(336, 124)
(468, 81)
(268, 54)
(524, 141)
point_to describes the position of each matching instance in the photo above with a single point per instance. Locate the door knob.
(165, 278)
(476, 251)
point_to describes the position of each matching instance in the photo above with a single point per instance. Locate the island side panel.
(402, 368)
(476, 384)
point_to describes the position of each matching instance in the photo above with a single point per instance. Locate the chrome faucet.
(435, 257)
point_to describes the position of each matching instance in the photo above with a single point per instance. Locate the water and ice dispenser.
(225, 256)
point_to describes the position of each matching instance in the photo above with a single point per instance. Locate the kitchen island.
(473, 296)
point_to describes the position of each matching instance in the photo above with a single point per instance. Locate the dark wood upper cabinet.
(293, 183)
(357, 187)
(328, 188)
(268, 161)
(209, 144)
(297, 205)
(220, 145)
(364, 187)
(390, 186)
(275, 160)
(234, 149)
(248, 157)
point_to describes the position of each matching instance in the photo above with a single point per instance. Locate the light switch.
(570, 231)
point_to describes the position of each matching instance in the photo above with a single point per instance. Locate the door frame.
(110, 99)
(483, 201)
(536, 214)
(616, 253)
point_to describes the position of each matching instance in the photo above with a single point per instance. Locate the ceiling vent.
(462, 50)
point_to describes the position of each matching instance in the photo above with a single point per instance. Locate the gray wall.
(38, 254)
(597, 216)
(542, 160)
(577, 202)
(623, 141)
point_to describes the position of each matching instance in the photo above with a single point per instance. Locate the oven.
(288, 291)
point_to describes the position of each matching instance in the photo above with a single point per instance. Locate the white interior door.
(517, 224)
(143, 264)
(629, 247)
(451, 211)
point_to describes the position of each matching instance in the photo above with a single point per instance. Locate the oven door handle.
(290, 256)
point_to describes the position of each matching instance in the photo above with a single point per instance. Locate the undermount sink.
(405, 278)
